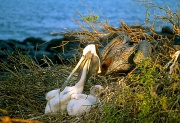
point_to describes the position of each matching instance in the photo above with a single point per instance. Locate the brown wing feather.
(122, 61)
(120, 40)
(117, 55)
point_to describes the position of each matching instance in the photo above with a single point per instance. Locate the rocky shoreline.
(56, 49)
(37, 49)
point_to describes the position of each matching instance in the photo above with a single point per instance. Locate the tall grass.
(146, 94)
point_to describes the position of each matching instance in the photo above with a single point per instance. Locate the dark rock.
(69, 55)
(4, 45)
(12, 46)
(38, 56)
(167, 29)
(176, 42)
(39, 49)
(63, 49)
(35, 43)
(63, 45)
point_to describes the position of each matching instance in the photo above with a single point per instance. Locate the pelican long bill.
(90, 55)
(74, 70)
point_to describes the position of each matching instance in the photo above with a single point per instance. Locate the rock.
(144, 51)
(38, 56)
(9, 47)
(4, 45)
(176, 42)
(57, 46)
(167, 29)
(36, 43)
(33, 41)
(63, 52)
(38, 49)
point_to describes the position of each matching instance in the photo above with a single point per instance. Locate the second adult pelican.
(120, 56)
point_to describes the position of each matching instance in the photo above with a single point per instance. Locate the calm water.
(20, 19)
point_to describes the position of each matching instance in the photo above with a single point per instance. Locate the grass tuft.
(146, 94)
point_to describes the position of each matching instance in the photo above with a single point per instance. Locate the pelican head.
(96, 90)
(81, 104)
(91, 57)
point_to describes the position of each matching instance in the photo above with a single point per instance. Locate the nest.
(24, 83)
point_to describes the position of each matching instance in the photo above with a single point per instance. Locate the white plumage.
(57, 100)
(81, 103)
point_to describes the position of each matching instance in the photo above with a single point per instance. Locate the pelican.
(57, 101)
(120, 56)
(117, 56)
(81, 103)
(90, 62)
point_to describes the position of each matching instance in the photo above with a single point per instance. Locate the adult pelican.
(89, 63)
(82, 103)
(120, 56)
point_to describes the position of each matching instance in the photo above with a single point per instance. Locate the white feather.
(57, 101)
(82, 103)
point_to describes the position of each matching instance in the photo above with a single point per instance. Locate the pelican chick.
(57, 100)
(81, 103)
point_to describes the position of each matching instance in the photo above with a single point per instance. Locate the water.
(20, 19)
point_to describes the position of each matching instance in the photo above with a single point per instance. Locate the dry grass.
(145, 95)
(24, 85)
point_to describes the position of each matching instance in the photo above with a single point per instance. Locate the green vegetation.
(147, 94)
(92, 18)
(148, 97)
